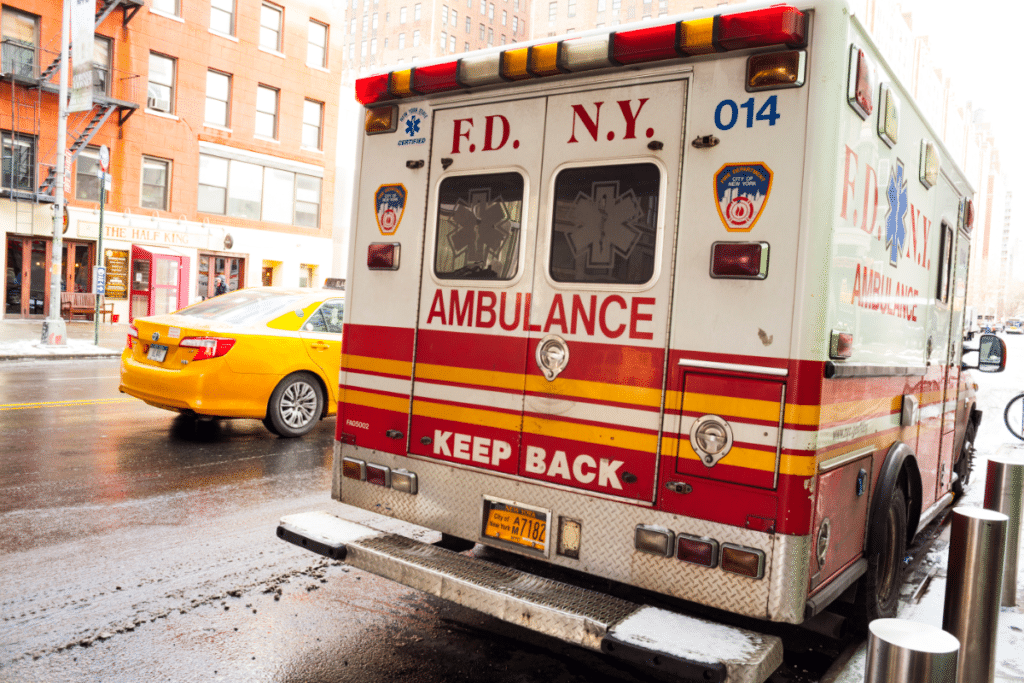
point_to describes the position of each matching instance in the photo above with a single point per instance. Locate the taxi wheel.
(296, 405)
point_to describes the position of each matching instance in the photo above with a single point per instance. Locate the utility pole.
(54, 329)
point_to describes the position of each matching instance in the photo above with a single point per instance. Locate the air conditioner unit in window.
(158, 103)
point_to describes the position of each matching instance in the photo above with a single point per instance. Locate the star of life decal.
(482, 227)
(603, 225)
(895, 218)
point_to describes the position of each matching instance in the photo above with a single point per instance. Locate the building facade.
(220, 118)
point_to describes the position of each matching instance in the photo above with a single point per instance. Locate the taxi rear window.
(479, 221)
(246, 306)
(605, 224)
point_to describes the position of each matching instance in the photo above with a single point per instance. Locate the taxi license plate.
(521, 526)
(157, 353)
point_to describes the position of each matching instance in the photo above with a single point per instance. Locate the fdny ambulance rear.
(599, 289)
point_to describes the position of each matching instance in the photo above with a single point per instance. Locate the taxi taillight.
(133, 336)
(207, 347)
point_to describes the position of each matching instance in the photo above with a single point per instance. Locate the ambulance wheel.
(880, 592)
(965, 464)
(296, 405)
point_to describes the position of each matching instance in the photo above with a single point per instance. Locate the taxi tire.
(301, 397)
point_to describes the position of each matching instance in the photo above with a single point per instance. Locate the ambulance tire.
(965, 464)
(296, 405)
(880, 591)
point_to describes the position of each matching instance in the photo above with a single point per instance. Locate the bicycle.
(1013, 416)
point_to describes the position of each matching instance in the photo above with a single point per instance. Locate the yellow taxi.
(268, 353)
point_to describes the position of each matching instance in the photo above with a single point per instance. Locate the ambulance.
(676, 306)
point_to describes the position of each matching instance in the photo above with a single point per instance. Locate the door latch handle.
(678, 486)
(394, 434)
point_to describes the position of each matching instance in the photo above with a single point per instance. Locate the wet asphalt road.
(139, 546)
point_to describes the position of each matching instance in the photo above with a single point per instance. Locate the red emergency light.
(775, 25)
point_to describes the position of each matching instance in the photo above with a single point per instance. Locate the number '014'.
(728, 112)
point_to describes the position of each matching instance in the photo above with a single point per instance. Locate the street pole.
(54, 329)
(100, 277)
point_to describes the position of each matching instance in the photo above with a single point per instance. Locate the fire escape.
(114, 92)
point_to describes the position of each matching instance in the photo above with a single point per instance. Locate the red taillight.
(702, 551)
(969, 214)
(763, 27)
(863, 92)
(744, 260)
(435, 78)
(372, 89)
(378, 475)
(383, 256)
(207, 347)
(841, 345)
(133, 336)
(644, 45)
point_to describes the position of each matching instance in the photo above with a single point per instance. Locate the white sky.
(979, 44)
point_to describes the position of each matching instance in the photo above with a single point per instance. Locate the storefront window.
(245, 187)
(281, 186)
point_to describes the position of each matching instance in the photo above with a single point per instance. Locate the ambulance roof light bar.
(775, 25)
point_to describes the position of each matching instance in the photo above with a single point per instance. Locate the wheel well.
(899, 469)
(319, 380)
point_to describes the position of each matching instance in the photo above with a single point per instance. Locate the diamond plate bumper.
(675, 643)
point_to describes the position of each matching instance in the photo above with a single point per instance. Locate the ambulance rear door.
(598, 321)
(470, 358)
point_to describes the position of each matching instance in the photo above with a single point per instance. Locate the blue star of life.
(895, 229)
(412, 126)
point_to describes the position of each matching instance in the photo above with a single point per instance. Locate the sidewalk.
(19, 340)
(923, 598)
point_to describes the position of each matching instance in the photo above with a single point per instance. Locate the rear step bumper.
(677, 644)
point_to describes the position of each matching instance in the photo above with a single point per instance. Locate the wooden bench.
(77, 305)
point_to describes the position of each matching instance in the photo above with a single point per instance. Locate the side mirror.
(991, 354)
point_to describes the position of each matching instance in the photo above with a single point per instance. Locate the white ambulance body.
(677, 306)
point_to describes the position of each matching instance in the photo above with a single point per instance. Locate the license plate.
(157, 353)
(521, 526)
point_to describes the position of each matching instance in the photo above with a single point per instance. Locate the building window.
(351, 51)
(156, 175)
(160, 90)
(166, 6)
(415, 38)
(246, 190)
(552, 12)
(312, 124)
(270, 26)
(316, 49)
(602, 5)
(266, 111)
(87, 182)
(403, 15)
(483, 6)
(483, 31)
(515, 25)
(20, 40)
(363, 49)
(468, 23)
(218, 98)
(101, 50)
(373, 46)
(376, 21)
(490, 37)
(401, 41)
(572, 8)
(451, 44)
(352, 27)
(213, 184)
(417, 11)
(222, 16)
(366, 24)
(504, 18)
(455, 18)
(444, 14)
(490, 11)
(19, 161)
(444, 40)
(306, 275)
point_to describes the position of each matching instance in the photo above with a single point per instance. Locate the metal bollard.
(977, 547)
(1004, 489)
(901, 651)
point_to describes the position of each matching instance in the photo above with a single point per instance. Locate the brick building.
(221, 122)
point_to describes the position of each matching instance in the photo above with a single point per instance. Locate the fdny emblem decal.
(413, 126)
(742, 191)
(895, 219)
(389, 201)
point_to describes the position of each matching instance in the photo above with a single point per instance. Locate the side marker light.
(383, 255)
